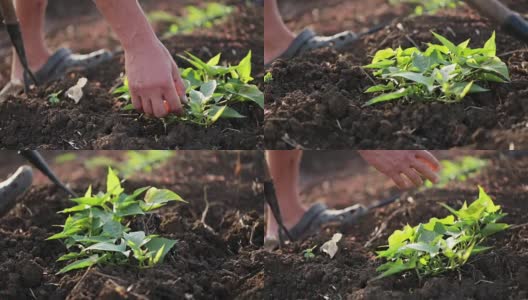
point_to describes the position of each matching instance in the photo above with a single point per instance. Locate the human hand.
(156, 86)
(405, 167)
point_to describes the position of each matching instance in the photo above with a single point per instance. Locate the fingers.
(400, 182)
(173, 100)
(147, 106)
(158, 106)
(428, 159)
(178, 83)
(425, 170)
(136, 101)
(414, 177)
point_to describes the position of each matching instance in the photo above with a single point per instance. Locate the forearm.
(128, 21)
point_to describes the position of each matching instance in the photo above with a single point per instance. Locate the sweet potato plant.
(445, 244)
(443, 72)
(97, 228)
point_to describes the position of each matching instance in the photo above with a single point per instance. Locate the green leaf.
(416, 77)
(197, 97)
(431, 249)
(155, 198)
(498, 67)
(244, 68)
(452, 48)
(395, 267)
(382, 55)
(208, 88)
(380, 64)
(380, 88)
(252, 92)
(105, 246)
(136, 238)
(399, 236)
(388, 97)
(480, 249)
(66, 233)
(215, 60)
(81, 264)
(230, 113)
(160, 244)
(217, 113)
(113, 184)
(76, 208)
(113, 229)
(70, 256)
(493, 228)
(475, 88)
(490, 46)
(130, 210)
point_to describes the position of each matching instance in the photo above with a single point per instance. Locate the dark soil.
(501, 273)
(98, 122)
(315, 100)
(223, 264)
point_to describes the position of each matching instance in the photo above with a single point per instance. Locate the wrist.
(139, 42)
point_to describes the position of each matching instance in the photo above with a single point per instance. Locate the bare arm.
(155, 83)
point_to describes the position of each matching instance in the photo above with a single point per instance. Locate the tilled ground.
(98, 122)
(501, 273)
(219, 264)
(315, 100)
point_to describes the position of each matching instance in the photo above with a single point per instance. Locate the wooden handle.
(8, 11)
(493, 9)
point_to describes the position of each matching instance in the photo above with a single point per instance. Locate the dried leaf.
(76, 92)
(330, 247)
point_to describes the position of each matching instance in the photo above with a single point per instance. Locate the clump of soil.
(501, 273)
(315, 101)
(98, 122)
(217, 263)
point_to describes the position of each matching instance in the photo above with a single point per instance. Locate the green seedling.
(442, 245)
(268, 77)
(308, 253)
(66, 157)
(123, 94)
(428, 6)
(459, 170)
(53, 98)
(213, 89)
(135, 162)
(97, 228)
(443, 72)
(193, 18)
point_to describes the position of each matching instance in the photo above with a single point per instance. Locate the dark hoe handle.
(38, 162)
(271, 199)
(517, 26)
